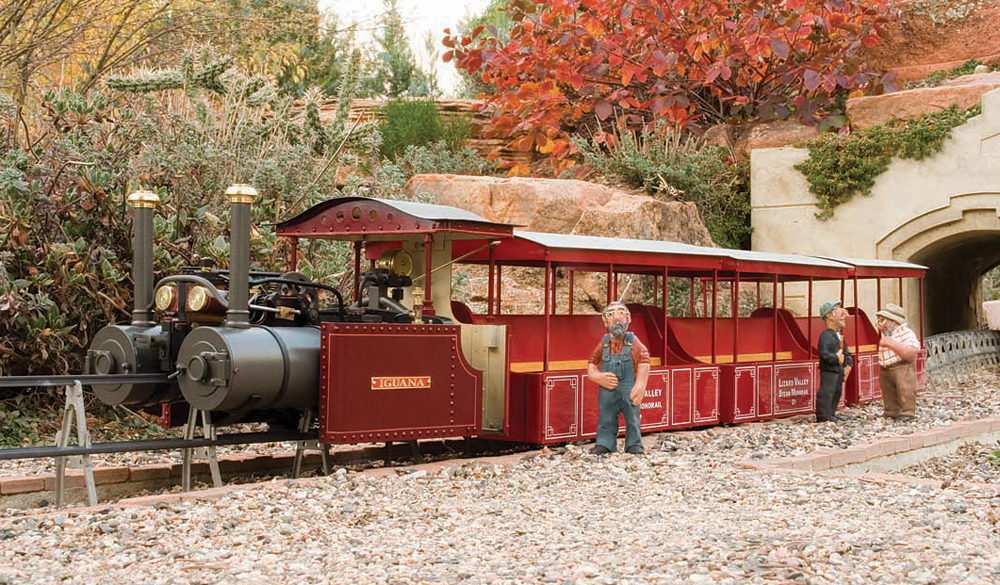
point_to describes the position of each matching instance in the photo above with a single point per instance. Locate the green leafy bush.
(668, 166)
(839, 167)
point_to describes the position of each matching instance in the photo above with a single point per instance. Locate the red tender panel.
(517, 411)
(382, 382)
(765, 391)
(681, 398)
(655, 413)
(706, 397)
(560, 407)
(738, 396)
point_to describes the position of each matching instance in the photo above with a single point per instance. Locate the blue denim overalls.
(612, 402)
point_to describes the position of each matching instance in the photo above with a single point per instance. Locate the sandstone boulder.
(744, 138)
(645, 218)
(965, 92)
(565, 207)
(773, 135)
(559, 206)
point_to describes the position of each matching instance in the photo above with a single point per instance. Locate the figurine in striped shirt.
(897, 353)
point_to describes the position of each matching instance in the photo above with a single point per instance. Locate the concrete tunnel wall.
(942, 212)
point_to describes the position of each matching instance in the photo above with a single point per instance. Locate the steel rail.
(84, 379)
(43, 452)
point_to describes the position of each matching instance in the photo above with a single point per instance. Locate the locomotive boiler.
(144, 346)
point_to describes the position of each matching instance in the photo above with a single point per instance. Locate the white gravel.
(686, 512)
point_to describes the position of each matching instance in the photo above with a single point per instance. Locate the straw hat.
(893, 313)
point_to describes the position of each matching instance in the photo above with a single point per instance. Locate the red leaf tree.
(581, 65)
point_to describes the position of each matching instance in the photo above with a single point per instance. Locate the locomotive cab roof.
(364, 218)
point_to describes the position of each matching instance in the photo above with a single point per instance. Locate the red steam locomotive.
(405, 359)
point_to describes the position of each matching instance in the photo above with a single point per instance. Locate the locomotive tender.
(403, 360)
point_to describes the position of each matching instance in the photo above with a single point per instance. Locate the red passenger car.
(417, 362)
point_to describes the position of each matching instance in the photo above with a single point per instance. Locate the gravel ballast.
(689, 511)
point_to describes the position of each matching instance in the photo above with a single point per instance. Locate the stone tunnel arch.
(959, 243)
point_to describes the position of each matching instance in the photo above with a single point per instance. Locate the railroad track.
(113, 483)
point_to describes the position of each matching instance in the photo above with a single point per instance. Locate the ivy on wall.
(839, 167)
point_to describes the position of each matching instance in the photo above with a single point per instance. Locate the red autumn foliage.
(575, 66)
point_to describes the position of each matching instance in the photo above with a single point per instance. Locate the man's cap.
(827, 307)
(893, 313)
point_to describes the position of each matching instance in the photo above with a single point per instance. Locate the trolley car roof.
(630, 255)
(874, 267)
(364, 218)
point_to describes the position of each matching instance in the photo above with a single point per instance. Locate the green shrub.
(439, 158)
(65, 230)
(667, 166)
(409, 123)
(456, 132)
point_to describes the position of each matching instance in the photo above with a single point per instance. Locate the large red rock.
(566, 207)
(965, 92)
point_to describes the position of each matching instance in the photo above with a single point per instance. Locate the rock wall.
(566, 207)
(964, 92)
(937, 35)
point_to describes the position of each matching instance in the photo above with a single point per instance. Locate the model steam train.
(403, 360)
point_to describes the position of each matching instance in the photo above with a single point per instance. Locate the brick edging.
(826, 459)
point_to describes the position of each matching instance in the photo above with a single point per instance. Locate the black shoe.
(635, 450)
(819, 420)
(600, 450)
